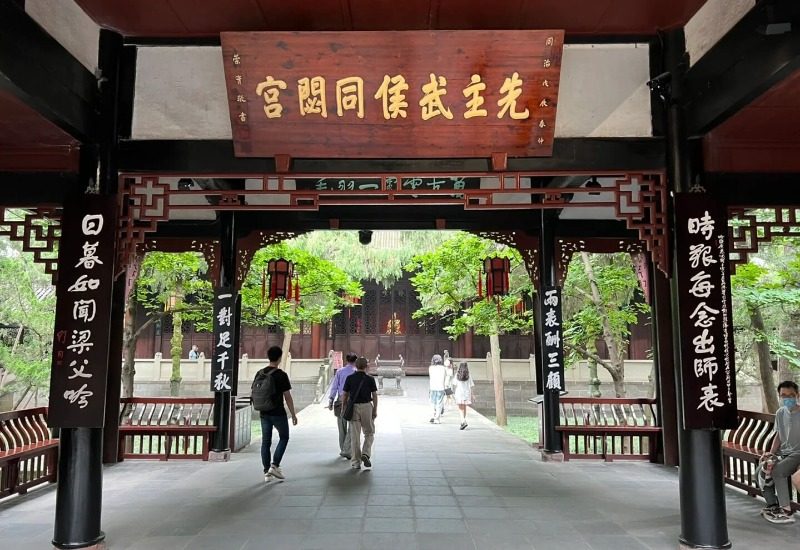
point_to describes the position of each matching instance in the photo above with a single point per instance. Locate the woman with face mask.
(785, 454)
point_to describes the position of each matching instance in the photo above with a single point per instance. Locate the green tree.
(765, 298)
(324, 289)
(601, 302)
(27, 309)
(445, 280)
(381, 261)
(169, 284)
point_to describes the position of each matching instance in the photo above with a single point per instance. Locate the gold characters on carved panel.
(512, 88)
(394, 98)
(391, 93)
(270, 89)
(311, 94)
(473, 92)
(350, 96)
(431, 102)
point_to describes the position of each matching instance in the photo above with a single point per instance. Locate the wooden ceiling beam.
(35, 68)
(745, 63)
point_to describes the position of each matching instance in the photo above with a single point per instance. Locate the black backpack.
(263, 392)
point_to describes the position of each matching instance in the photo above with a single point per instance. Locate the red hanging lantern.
(497, 276)
(280, 279)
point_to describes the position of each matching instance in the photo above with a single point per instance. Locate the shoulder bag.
(347, 414)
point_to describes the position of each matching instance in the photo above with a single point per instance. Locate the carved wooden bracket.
(746, 229)
(641, 200)
(39, 231)
(566, 248)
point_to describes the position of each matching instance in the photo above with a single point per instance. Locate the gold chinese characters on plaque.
(410, 94)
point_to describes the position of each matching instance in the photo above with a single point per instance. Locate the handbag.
(347, 414)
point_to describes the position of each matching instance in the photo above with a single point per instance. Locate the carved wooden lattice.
(642, 203)
(638, 199)
(143, 203)
(566, 248)
(749, 227)
(38, 230)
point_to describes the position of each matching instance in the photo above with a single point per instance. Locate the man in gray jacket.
(784, 454)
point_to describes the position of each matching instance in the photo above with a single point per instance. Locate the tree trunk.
(615, 352)
(768, 386)
(176, 350)
(790, 332)
(497, 375)
(594, 380)
(285, 345)
(129, 337)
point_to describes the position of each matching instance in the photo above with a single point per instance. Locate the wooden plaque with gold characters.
(404, 94)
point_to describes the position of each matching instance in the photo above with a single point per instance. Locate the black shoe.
(431, 420)
(463, 425)
(366, 462)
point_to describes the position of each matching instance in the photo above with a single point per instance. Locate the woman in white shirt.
(463, 391)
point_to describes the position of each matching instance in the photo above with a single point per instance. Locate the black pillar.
(80, 488)
(665, 364)
(110, 67)
(220, 446)
(702, 485)
(547, 278)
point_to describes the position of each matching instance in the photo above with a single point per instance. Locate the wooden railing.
(166, 427)
(742, 448)
(608, 428)
(28, 453)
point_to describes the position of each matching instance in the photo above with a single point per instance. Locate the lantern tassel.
(297, 290)
(263, 288)
(508, 286)
(480, 285)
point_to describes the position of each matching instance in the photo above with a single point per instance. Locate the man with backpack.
(270, 388)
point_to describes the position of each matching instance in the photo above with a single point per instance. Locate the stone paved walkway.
(433, 486)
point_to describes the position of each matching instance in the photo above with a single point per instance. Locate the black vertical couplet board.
(83, 313)
(706, 325)
(552, 333)
(225, 350)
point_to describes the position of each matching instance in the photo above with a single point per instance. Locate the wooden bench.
(742, 448)
(388, 368)
(609, 429)
(166, 427)
(28, 453)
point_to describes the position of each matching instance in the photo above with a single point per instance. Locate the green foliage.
(382, 260)
(177, 282)
(323, 287)
(446, 281)
(20, 278)
(620, 302)
(768, 283)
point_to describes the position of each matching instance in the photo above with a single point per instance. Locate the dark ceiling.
(762, 137)
(187, 18)
(30, 141)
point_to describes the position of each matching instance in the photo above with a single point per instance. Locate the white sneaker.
(275, 471)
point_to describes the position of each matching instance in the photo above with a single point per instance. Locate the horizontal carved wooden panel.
(415, 94)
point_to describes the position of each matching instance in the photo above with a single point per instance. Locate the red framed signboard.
(402, 94)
